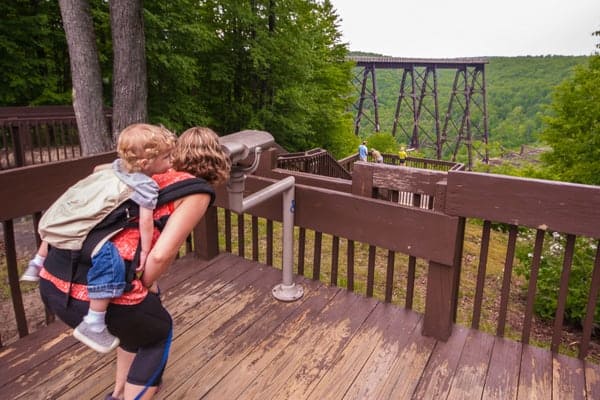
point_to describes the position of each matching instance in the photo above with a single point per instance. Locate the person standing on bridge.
(402, 154)
(377, 156)
(363, 151)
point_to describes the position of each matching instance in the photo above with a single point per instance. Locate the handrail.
(424, 235)
(36, 135)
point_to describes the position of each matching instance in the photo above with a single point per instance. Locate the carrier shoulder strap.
(121, 217)
(125, 214)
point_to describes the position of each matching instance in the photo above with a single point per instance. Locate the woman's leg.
(145, 332)
(132, 391)
(124, 361)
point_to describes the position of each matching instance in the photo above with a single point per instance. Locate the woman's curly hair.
(199, 153)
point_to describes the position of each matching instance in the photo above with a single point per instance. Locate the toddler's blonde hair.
(140, 142)
(199, 153)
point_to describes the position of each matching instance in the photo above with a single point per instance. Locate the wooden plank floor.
(232, 340)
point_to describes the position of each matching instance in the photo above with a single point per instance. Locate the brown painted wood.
(228, 243)
(219, 329)
(318, 344)
(248, 368)
(327, 349)
(472, 367)
(375, 370)
(503, 374)
(241, 237)
(389, 277)
(350, 266)
(255, 250)
(306, 179)
(591, 306)
(405, 380)
(438, 302)
(371, 271)
(335, 254)
(431, 235)
(483, 254)
(457, 266)
(227, 352)
(592, 380)
(34, 188)
(535, 376)
(206, 235)
(508, 265)
(233, 340)
(269, 242)
(562, 293)
(568, 378)
(362, 180)
(354, 356)
(535, 268)
(301, 250)
(548, 205)
(13, 278)
(316, 273)
(438, 373)
(405, 179)
(410, 282)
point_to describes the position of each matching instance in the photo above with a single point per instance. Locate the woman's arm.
(186, 216)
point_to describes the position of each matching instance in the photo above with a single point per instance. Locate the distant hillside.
(518, 88)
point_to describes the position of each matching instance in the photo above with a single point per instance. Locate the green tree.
(34, 67)
(278, 66)
(384, 143)
(573, 127)
(177, 38)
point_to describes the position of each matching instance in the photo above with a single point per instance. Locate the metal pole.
(287, 290)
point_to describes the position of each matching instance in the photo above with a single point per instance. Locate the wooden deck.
(233, 340)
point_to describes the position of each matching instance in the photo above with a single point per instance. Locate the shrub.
(551, 265)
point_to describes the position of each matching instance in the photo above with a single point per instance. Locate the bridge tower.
(463, 126)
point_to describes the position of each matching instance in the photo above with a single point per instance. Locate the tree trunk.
(85, 74)
(130, 89)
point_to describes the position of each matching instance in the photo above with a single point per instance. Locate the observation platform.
(233, 340)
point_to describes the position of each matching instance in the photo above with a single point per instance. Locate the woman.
(138, 318)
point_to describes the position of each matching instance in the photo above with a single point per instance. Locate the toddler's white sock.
(96, 320)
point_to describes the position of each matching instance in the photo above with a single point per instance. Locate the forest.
(279, 67)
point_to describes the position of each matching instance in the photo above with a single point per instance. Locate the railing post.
(441, 300)
(18, 145)
(437, 321)
(362, 180)
(13, 277)
(206, 235)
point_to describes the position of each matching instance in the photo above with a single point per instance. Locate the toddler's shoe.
(32, 273)
(102, 342)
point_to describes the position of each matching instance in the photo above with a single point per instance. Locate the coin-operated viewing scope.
(244, 149)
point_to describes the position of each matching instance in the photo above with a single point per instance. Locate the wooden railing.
(316, 161)
(415, 162)
(36, 135)
(358, 234)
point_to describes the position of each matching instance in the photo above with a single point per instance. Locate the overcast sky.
(470, 28)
